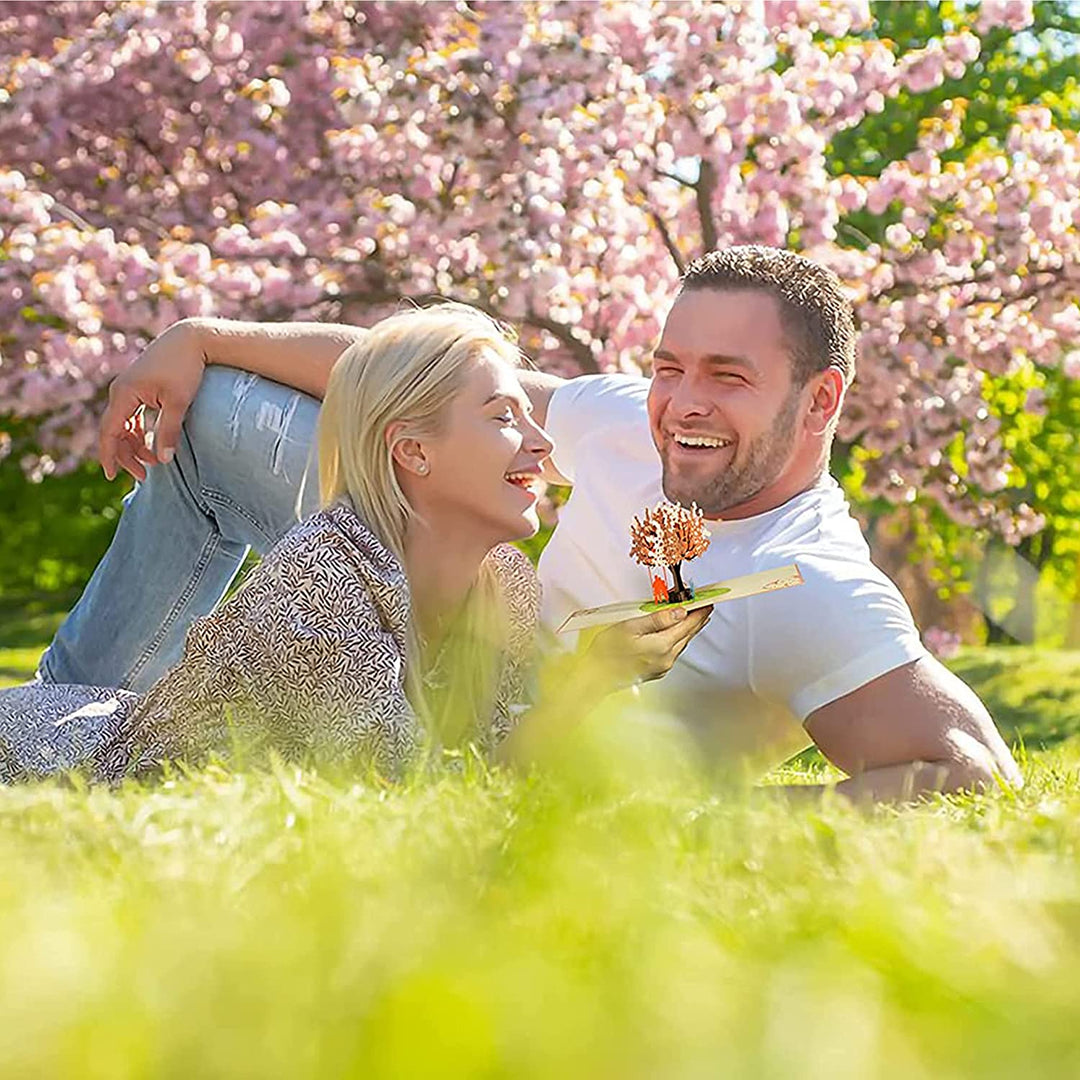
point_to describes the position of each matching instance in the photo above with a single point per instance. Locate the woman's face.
(483, 468)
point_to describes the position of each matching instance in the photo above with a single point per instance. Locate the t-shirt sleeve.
(582, 406)
(814, 643)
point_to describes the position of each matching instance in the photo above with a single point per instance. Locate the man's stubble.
(736, 485)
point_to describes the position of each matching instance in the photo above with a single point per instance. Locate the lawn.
(631, 924)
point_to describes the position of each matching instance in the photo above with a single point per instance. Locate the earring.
(422, 468)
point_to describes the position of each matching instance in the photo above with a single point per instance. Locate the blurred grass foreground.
(602, 923)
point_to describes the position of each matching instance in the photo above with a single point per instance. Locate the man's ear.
(826, 399)
(406, 452)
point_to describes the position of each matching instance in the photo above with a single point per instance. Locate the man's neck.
(772, 497)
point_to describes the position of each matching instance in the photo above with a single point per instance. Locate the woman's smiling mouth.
(526, 480)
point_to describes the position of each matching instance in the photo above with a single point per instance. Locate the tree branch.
(681, 180)
(573, 345)
(704, 189)
(1034, 285)
(577, 348)
(665, 234)
(70, 215)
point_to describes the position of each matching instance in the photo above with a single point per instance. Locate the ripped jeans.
(245, 452)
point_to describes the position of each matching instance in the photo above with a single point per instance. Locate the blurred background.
(558, 164)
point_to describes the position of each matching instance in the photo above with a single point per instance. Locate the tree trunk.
(1072, 633)
(680, 592)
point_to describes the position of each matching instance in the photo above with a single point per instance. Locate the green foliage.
(1039, 411)
(1034, 694)
(1038, 66)
(1047, 456)
(55, 531)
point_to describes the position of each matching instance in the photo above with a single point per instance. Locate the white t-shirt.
(762, 665)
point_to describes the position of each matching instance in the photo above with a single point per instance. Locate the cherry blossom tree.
(667, 536)
(555, 163)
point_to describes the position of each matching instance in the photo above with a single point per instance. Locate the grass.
(611, 922)
(1035, 693)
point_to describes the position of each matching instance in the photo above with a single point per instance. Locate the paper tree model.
(667, 537)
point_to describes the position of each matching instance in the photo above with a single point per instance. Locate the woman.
(392, 618)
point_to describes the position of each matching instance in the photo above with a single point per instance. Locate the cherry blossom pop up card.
(662, 540)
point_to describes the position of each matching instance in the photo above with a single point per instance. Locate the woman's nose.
(539, 441)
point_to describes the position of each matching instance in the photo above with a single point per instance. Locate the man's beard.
(739, 483)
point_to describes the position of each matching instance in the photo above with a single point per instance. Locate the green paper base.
(701, 594)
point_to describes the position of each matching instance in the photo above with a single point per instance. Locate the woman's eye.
(506, 417)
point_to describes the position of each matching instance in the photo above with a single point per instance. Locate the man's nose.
(689, 398)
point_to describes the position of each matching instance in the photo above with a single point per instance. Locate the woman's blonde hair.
(407, 369)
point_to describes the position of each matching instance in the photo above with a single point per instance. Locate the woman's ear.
(406, 452)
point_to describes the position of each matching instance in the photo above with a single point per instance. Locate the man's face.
(722, 408)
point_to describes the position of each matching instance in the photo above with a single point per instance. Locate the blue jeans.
(245, 452)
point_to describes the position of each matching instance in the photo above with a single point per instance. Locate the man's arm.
(165, 378)
(914, 730)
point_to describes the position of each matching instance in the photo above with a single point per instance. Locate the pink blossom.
(226, 44)
(1013, 14)
(542, 160)
(944, 644)
(924, 70)
(964, 46)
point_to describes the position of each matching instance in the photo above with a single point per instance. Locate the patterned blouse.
(307, 658)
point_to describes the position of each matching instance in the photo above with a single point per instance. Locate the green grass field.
(611, 923)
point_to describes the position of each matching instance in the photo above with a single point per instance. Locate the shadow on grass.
(27, 624)
(1033, 694)
(31, 621)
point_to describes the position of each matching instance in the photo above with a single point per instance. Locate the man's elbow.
(972, 765)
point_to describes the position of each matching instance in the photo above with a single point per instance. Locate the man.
(748, 381)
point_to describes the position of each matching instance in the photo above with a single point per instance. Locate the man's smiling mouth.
(700, 442)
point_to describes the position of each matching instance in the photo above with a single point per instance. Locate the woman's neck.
(442, 565)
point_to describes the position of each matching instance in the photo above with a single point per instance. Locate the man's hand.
(166, 377)
(640, 650)
(914, 730)
(164, 380)
(571, 685)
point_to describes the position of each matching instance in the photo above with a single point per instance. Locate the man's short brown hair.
(816, 315)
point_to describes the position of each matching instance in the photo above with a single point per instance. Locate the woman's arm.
(166, 377)
(570, 686)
